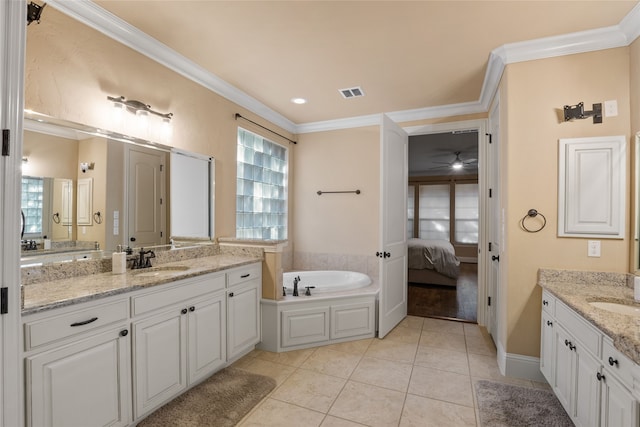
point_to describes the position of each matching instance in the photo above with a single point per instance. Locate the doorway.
(445, 204)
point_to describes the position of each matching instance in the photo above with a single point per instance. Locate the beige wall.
(94, 150)
(50, 156)
(71, 69)
(535, 93)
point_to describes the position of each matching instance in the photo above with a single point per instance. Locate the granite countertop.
(578, 289)
(52, 294)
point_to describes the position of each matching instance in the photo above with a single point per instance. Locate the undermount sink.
(617, 307)
(161, 271)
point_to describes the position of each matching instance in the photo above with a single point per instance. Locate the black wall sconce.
(572, 112)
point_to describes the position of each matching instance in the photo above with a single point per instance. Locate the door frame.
(479, 125)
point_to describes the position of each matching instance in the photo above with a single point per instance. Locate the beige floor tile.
(541, 385)
(274, 413)
(369, 405)
(383, 373)
(443, 359)
(392, 350)
(274, 370)
(443, 340)
(292, 358)
(474, 330)
(486, 367)
(413, 322)
(443, 326)
(330, 421)
(480, 345)
(406, 335)
(423, 412)
(332, 362)
(309, 389)
(441, 385)
(353, 347)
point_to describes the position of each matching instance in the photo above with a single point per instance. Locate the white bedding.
(437, 255)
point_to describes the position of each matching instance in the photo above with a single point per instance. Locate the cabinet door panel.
(207, 337)
(564, 368)
(546, 347)
(587, 389)
(160, 359)
(85, 384)
(619, 408)
(244, 318)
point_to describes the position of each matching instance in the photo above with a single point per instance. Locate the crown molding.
(105, 22)
(619, 35)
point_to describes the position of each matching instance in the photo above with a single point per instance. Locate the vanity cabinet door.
(86, 383)
(207, 337)
(563, 376)
(546, 347)
(160, 354)
(586, 388)
(243, 319)
(619, 407)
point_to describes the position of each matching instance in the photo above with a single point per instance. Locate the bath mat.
(506, 405)
(221, 401)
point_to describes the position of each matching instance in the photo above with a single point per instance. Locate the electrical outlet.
(593, 248)
(611, 108)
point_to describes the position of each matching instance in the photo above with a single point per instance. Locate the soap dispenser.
(118, 261)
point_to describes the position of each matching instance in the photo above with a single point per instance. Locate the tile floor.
(420, 374)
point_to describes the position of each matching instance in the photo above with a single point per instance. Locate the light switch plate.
(593, 248)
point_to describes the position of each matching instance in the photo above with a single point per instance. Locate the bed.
(432, 262)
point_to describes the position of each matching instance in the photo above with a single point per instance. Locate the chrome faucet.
(295, 285)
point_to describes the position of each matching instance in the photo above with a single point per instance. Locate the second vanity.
(109, 349)
(591, 356)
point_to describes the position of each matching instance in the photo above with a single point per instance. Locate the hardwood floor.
(447, 302)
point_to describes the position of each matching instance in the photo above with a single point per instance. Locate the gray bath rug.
(221, 401)
(506, 405)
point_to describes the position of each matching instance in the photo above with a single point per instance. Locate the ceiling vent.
(353, 92)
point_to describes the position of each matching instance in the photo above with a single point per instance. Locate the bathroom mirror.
(635, 207)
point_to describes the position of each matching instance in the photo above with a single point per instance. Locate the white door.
(394, 143)
(146, 219)
(493, 269)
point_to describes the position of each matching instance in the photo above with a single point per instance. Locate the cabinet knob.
(571, 346)
(192, 308)
(566, 342)
(600, 377)
(183, 311)
(124, 333)
(545, 302)
(230, 294)
(613, 361)
(549, 323)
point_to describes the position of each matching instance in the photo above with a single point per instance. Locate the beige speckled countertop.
(59, 293)
(577, 289)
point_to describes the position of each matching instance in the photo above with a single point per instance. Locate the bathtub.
(325, 281)
(342, 307)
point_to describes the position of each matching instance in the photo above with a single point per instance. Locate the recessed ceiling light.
(298, 100)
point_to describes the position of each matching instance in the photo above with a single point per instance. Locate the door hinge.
(4, 300)
(489, 246)
(490, 192)
(160, 200)
(490, 137)
(161, 168)
(489, 301)
(161, 234)
(6, 141)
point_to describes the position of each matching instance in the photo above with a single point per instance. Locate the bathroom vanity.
(590, 356)
(110, 357)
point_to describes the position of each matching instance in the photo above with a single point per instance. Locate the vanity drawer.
(618, 363)
(244, 274)
(50, 329)
(184, 290)
(589, 336)
(548, 303)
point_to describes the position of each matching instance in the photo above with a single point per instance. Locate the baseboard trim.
(519, 366)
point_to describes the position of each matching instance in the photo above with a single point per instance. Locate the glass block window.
(434, 211)
(261, 188)
(32, 204)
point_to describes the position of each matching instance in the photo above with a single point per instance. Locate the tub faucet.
(295, 286)
(308, 290)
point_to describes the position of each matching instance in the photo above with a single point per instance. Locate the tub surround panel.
(577, 288)
(345, 262)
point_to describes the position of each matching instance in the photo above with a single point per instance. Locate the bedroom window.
(445, 211)
(261, 188)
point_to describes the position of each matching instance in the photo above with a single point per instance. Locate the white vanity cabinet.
(182, 341)
(244, 291)
(81, 376)
(594, 390)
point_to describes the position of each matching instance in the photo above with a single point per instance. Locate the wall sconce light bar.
(572, 112)
(137, 107)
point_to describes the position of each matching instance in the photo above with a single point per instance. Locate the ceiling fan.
(458, 163)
